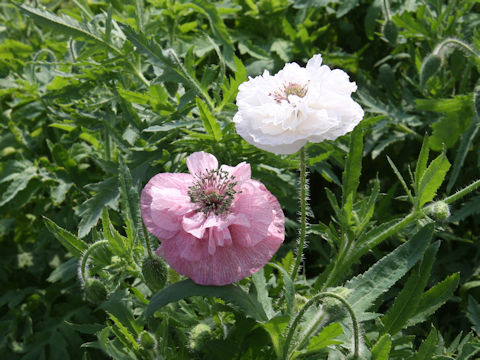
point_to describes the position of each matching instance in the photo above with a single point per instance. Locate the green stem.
(296, 321)
(461, 193)
(86, 254)
(147, 242)
(303, 212)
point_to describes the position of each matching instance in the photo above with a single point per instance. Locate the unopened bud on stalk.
(430, 66)
(439, 210)
(95, 291)
(199, 335)
(299, 301)
(390, 32)
(147, 340)
(154, 272)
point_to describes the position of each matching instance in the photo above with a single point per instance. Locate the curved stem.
(86, 254)
(455, 42)
(296, 321)
(303, 212)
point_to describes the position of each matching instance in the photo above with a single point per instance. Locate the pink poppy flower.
(216, 225)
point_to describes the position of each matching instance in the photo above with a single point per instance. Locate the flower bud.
(439, 210)
(154, 272)
(199, 335)
(147, 340)
(390, 32)
(430, 66)
(95, 291)
(299, 301)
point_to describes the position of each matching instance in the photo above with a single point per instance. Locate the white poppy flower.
(280, 113)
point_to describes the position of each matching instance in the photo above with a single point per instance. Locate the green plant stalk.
(293, 327)
(147, 243)
(86, 254)
(303, 212)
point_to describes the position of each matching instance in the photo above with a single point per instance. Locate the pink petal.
(163, 203)
(200, 161)
(241, 172)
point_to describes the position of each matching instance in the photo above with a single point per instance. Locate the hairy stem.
(303, 212)
(296, 321)
(86, 254)
(461, 193)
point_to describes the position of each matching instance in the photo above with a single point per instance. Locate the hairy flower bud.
(390, 32)
(154, 272)
(147, 340)
(430, 66)
(439, 210)
(95, 291)
(199, 335)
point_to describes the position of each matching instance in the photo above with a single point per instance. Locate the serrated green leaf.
(427, 348)
(473, 313)
(120, 245)
(432, 179)
(275, 327)
(325, 337)
(287, 280)
(422, 162)
(90, 211)
(72, 243)
(353, 168)
(400, 178)
(407, 300)
(435, 297)
(465, 145)
(209, 122)
(367, 287)
(123, 334)
(262, 292)
(65, 25)
(381, 349)
(19, 174)
(187, 288)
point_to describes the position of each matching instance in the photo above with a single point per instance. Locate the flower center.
(290, 89)
(213, 191)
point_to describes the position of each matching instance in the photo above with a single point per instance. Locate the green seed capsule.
(154, 272)
(95, 291)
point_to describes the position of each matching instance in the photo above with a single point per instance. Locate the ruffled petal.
(200, 161)
(163, 203)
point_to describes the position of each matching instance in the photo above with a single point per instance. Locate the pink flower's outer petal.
(200, 161)
(253, 202)
(241, 172)
(163, 203)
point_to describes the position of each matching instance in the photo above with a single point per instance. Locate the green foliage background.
(98, 96)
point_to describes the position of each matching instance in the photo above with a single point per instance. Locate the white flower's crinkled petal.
(280, 113)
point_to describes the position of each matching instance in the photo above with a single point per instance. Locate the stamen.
(213, 191)
(290, 89)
